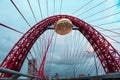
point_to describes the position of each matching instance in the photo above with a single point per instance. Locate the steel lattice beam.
(104, 50)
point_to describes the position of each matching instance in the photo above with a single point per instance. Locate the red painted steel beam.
(41, 69)
(107, 54)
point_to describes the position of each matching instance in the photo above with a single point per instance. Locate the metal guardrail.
(111, 76)
(15, 74)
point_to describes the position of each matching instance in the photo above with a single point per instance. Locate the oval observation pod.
(63, 26)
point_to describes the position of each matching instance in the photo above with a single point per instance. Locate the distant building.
(82, 75)
(32, 67)
(56, 76)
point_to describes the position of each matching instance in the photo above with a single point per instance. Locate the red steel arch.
(104, 50)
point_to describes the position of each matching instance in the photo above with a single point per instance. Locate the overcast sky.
(62, 59)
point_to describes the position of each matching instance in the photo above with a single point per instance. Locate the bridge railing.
(15, 74)
(110, 76)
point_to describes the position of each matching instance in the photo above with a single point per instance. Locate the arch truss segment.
(106, 53)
